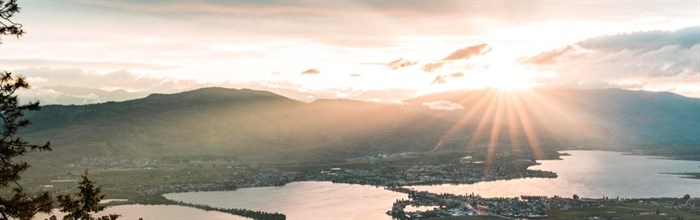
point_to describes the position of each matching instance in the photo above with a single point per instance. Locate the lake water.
(164, 212)
(593, 174)
(303, 200)
(586, 173)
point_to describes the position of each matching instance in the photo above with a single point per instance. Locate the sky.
(90, 51)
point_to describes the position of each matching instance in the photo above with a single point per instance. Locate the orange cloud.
(468, 52)
(400, 63)
(439, 80)
(547, 57)
(430, 67)
(311, 71)
(457, 75)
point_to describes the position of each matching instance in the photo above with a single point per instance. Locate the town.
(448, 205)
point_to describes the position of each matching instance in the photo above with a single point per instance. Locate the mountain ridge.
(262, 125)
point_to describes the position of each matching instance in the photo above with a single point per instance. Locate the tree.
(88, 202)
(14, 202)
(7, 26)
(576, 197)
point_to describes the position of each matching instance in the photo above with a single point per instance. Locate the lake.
(586, 173)
(303, 200)
(165, 212)
(593, 174)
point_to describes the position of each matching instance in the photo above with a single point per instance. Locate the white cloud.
(650, 60)
(443, 105)
(288, 37)
(81, 64)
(73, 95)
(124, 80)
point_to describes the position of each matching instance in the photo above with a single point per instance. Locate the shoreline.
(157, 197)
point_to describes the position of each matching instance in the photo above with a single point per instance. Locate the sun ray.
(481, 126)
(528, 129)
(513, 126)
(466, 118)
(545, 108)
(495, 132)
(569, 103)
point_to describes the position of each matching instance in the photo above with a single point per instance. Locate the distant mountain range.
(259, 125)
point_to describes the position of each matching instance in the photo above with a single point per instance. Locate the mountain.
(263, 126)
(611, 117)
(256, 125)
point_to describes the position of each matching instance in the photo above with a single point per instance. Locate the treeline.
(258, 215)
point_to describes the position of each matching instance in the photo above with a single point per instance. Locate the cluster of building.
(427, 174)
(473, 205)
(248, 178)
(383, 157)
(523, 207)
(404, 173)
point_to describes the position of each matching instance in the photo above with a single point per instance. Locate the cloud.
(598, 84)
(76, 95)
(638, 60)
(430, 67)
(645, 40)
(79, 86)
(400, 63)
(457, 75)
(82, 64)
(547, 57)
(317, 22)
(391, 95)
(601, 58)
(461, 54)
(300, 92)
(443, 78)
(468, 52)
(442, 105)
(76, 77)
(311, 71)
(355, 75)
(439, 80)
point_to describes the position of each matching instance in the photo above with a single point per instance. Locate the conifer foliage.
(87, 202)
(15, 203)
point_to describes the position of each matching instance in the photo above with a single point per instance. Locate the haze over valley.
(263, 126)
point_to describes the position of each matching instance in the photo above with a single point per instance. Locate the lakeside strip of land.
(450, 205)
(387, 170)
(689, 175)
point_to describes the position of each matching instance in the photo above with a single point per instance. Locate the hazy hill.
(580, 117)
(216, 121)
(259, 125)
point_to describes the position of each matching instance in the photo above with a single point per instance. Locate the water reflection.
(593, 174)
(303, 200)
(164, 212)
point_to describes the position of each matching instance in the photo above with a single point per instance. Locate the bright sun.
(510, 78)
(512, 84)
